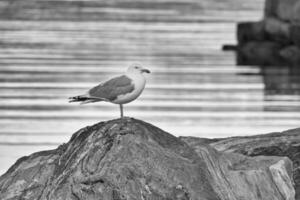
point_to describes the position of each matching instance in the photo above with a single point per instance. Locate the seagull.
(118, 90)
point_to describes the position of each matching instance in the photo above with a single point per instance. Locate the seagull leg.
(121, 110)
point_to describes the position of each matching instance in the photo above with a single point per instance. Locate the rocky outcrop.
(285, 10)
(275, 144)
(130, 159)
(278, 33)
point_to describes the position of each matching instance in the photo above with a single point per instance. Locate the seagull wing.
(111, 89)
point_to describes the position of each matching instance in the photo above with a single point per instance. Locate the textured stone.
(130, 159)
(277, 30)
(251, 31)
(275, 144)
(291, 54)
(271, 8)
(270, 28)
(285, 10)
(259, 53)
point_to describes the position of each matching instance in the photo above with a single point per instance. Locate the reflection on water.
(281, 90)
(282, 80)
(195, 88)
(280, 76)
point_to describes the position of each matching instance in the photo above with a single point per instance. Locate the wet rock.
(259, 53)
(130, 159)
(280, 25)
(251, 31)
(275, 144)
(285, 10)
(271, 8)
(291, 54)
(277, 30)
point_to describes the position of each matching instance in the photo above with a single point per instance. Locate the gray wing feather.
(112, 88)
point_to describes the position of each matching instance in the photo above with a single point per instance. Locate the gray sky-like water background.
(53, 49)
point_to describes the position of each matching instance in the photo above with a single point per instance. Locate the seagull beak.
(146, 71)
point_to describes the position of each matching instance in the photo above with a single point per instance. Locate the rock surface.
(275, 144)
(259, 53)
(130, 159)
(285, 10)
(280, 25)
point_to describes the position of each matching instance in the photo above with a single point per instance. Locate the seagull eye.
(135, 67)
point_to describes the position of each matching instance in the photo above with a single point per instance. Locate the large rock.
(250, 31)
(270, 28)
(291, 54)
(260, 53)
(275, 144)
(277, 30)
(132, 160)
(286, 10)
(257, 40)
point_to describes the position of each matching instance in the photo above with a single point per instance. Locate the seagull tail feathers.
(79, 98)
(83, 99)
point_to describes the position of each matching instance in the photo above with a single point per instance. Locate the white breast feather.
(139, 82)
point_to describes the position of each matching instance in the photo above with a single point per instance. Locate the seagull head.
(137, 68)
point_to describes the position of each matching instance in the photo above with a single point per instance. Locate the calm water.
(50, 52)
